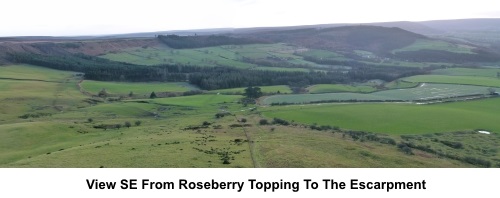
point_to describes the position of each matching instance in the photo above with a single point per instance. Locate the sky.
(101, 17)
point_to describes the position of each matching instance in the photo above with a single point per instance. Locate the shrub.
(263, 122)
(455, 145)
(280, 121)
(403, 147)
(138, 123)
(127, 124)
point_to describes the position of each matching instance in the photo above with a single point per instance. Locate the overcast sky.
(98, 17)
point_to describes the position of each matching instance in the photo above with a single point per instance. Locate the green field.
(124, 88)
(400, 84)
(426, 91)
(29, 72)
(493, 73)
(283, 89)
(198, 100)
(464, 80)
(428, 44)
(287, 69)
(332, 88)
(397, 118)
(316, 53)
(230, 55)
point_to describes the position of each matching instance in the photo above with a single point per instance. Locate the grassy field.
(198, 100)
(428, 44)
(42, 91)
(467, 72)
(332, 88)
(65, 128)
(231, 56)
(287, 69)
(265, 89)
(465, 80)
(29, 72)
(400, 84)
(124, 88)
(316, 53)
(281, 146)
(426, 91)
(396, 118)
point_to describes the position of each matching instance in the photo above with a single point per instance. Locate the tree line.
(208, 78)
(186, 42)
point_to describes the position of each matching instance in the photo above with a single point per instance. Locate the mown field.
(485, 72)
(331, 88)
(464, 80)
(425, 91)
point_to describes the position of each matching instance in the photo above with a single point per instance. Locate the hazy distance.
(97, 17)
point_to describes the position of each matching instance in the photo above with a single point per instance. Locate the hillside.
(379, 40)
(59, 46)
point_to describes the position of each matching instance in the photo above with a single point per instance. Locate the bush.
(138, 123)
(403, 147)
(280, 121)
(222, 114)
(455, 145)
(477, 161)
(263, 122)
(127, 124)
(206, 123)
(243, 120)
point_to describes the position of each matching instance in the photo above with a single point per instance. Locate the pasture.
(64, 128)
(425, 91)
(493, 73)
(464, 80)
(332, 88)
(396, 118)
(229, 55)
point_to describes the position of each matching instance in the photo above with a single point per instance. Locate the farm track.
(251, 146)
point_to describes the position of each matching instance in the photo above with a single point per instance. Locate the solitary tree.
(137, 123)
(127, 124)
(130, 94)
(253, 92)
(153, 95)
